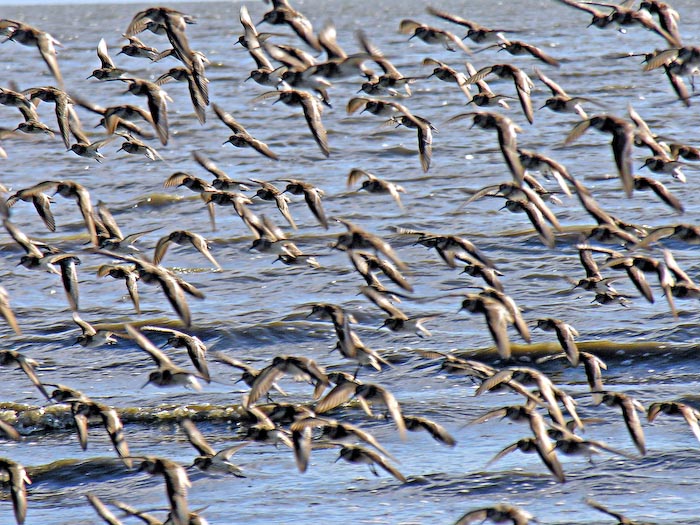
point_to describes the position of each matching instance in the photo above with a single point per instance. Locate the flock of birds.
(301, 76)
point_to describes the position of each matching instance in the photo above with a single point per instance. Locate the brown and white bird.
(31, 36)
(674, 408)
(358, 454)
(84, 410)
(107, 69)
(168, 373)
(312, 197)
(18, 480)
(157, 100)
(565, 334)
(209, 459)
(500, 513)
(241, 138)
(523, 83)
(283, 13)
(299, 367)
(174, 287)
(622, 142)
(179, 237)
(91, 337)
(27, 364)
(176, 485)
(312, 109)
(432, 35)
(507, 133)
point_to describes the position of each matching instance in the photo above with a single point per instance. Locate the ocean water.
(255, 308)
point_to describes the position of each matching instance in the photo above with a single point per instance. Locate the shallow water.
(254, 309)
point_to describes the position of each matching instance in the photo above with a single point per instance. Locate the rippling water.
(251, 307)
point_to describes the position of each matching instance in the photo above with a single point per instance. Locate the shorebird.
(298, 366)
(66, 188)
(167, 374)
(173, 286)
(629, 407)
(446, 73)
(622, 141)
(6, 311)
(270, 192)
(157, 99)
(621, 518)
(283, 13)
(358, 238)
(312, 197)
(560, 101)
(209, 460)
(358, 454)
(565, 334)
(312, 109)
(28, 366)
(522, 82)
(368, 393)
(134, 146)
(176, 483)
(63, 108)
(31, 36)
(130, 276)
(166, 20)
(91, 337)
(196, 349)
(660, 190)
(249, 373)
(436, 431)
(337, 432)
(401, 116)
(674, 408)
(107, 69)
(532, 160)
(83, 410)
(497, 319)
(506, 130)
(391, 77)
(40, 200)
(18, 487)
(118, 117)
(366, 263)
(241, 138)
(432, 35)
(136, 48)
(500, 513)
(475, 32)
(102, 510)
(196, 86)
(179, 237)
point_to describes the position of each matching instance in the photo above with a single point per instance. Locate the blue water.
(255, 310)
